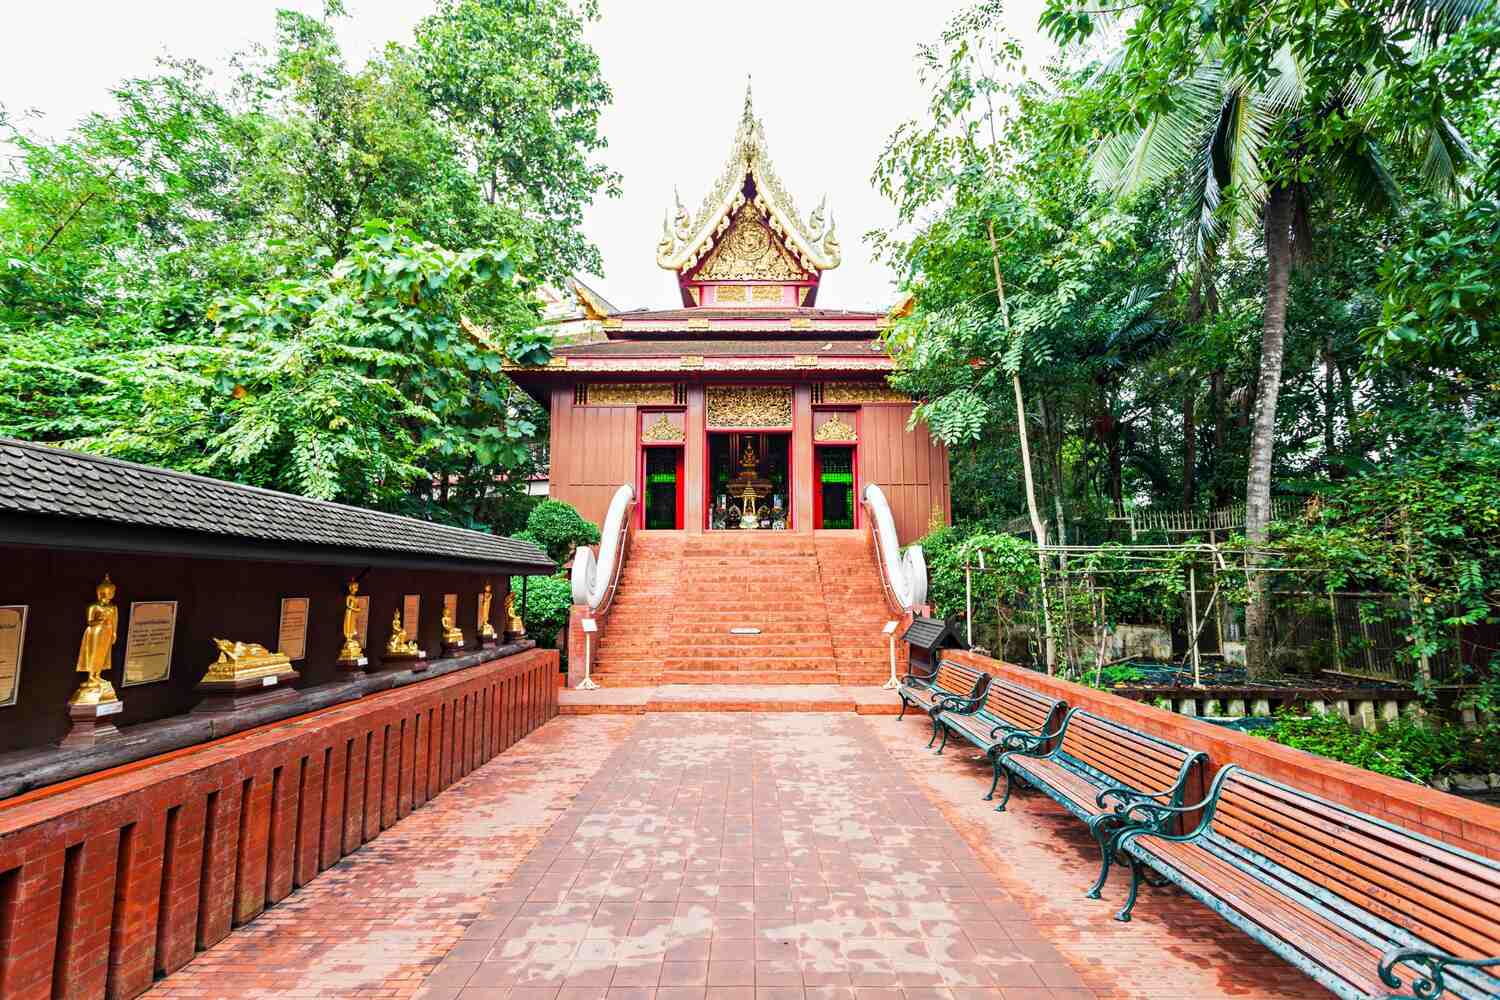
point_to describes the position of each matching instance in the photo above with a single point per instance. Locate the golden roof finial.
(749, 114)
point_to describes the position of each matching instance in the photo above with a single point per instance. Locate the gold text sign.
(291, 635)
(148, 644)
(362, 620)
(411, 608)
(12, 644)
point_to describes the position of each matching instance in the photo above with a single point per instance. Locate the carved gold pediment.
(748, 251)
(662, 429)
(834, 429)
(732, 406)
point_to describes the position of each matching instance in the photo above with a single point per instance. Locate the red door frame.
(791, 467)
(818, 480)
(640, 478)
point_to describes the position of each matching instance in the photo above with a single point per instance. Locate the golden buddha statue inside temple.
(486, 630)
(514, 627)
(749, 487)
(351, 651)
(452, 634)
(240, 661)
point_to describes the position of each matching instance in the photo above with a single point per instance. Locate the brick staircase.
(815, 598)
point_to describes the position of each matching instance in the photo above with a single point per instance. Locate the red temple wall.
(594, 449)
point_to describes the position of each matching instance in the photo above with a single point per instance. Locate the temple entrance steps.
(814, 598)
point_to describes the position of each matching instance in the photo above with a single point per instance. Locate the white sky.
(832, 79)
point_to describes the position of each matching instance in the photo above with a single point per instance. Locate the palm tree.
(1239, 146)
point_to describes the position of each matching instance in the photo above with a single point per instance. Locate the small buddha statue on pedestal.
(453, 636)
(95, 698)
(351, 654)
(401, 651)
(514, 627)
(487, 637)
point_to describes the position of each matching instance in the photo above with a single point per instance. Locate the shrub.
(559, 529)
(1403, 749)
(548, 599)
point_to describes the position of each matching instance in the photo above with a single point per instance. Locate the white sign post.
(590, 626)
(890, 630)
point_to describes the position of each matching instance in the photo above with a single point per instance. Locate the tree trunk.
(1330, 444)
(1278, 219)
(1189, 445)
(1038, 528)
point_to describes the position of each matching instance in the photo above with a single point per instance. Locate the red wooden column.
(802, 458)
(695, 461)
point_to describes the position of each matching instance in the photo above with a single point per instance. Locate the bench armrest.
(1428, 965)
(1125, 795)
(958, 703)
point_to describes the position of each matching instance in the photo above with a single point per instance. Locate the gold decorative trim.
(805, 361)
(613, 324)
(766, 293)
(748, 406)
(662, 430)
(559, 361)
(834, 429)
(697, 324)
(732, 293)
(690, 361)
(630, 394)
(748, 250)
(862, 392)
(801, 323)
(687, 238)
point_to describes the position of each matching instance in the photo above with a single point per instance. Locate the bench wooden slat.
(1331, 889)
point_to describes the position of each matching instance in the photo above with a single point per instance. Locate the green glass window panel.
(837, 477)
(663, 477)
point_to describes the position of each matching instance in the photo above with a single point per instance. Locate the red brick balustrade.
(1449, 818)
(111, 880)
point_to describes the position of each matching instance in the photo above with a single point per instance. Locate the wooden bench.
(952, 685)
(1360, 905)
(1094, 761)
(1008, 710)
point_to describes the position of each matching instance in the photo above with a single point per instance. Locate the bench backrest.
(958, 678)
(1020, 707)
(1133, 759)
(1442, 895)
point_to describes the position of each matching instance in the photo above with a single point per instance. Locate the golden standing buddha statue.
(102, 625)
(514, 627)
(351, 650)
(486, 597)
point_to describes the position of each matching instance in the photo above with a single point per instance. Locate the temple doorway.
(833, 486)
(662, 510)
(749, 481)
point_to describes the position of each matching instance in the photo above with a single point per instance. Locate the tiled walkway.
(730, 856)
(753, 857)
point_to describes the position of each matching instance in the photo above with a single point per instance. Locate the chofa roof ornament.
(686, 239)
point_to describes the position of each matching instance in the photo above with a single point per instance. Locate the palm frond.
(1445, 155)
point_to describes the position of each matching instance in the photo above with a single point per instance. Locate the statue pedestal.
(489, 641)
(92, 724)
(514, 636)
(453, 648)
(415, 662)
(240, 693)
(356, 665)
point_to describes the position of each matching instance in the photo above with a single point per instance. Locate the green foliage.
(1405, 748)
(309, 278)
(559, 529)
(548, 599)
(1120, 674)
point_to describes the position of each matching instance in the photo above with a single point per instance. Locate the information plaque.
(12, 644)
(291, 636)
(362, 620)
(411, 607)
(148, 644)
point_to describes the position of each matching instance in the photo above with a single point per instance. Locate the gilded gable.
(749, 251)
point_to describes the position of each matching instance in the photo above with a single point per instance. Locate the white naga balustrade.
(594, 577)
(905, 574)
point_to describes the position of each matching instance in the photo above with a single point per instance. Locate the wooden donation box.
(928, 637)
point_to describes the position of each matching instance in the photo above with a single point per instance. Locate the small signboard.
(589, 625)
(148, 644)
(411, 607)
(890, 627)
(291, 636)
(12, 644)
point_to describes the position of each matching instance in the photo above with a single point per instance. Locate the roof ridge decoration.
(686, 239)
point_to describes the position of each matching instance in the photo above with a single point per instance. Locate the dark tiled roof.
(40, 480)
(861, 347)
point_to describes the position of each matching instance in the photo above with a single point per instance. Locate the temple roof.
(688, 238)
(796, 321)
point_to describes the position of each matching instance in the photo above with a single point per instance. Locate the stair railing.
(903, 576)
(596, 578)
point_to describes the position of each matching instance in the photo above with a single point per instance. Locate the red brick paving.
(1174, 947)
(731, 857)
(753, 857)
(376, 923)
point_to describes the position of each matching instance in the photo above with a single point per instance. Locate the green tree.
(1255, 107)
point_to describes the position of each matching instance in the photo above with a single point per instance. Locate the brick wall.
(1453, 820)
(110, 880)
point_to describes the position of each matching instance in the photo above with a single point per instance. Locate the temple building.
(749, 407)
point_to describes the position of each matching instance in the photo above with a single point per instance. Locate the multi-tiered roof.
(748, 266)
